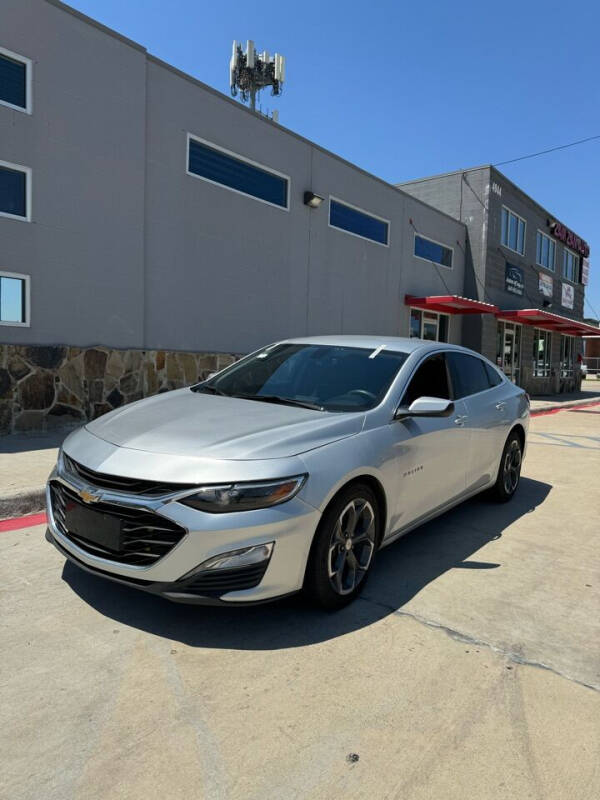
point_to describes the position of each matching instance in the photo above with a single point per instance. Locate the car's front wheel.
(342, 552)
(509, 472)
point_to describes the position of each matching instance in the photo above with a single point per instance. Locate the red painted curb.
(567, 408)
(22, 522)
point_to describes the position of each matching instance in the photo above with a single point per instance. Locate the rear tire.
(509, 471)
(343, 549)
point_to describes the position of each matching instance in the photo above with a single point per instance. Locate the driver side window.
(430, 380)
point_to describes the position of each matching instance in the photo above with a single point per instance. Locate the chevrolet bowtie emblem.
(89, 497)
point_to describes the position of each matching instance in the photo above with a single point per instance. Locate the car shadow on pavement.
(401, 571)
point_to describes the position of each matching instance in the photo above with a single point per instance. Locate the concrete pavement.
(470, 668)
(25, 463)
(590, 393)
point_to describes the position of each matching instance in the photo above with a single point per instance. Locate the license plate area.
(94, 526)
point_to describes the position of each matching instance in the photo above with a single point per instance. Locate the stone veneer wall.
(45, 387)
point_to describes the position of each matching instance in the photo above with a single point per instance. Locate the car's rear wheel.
(343, 550)
(509, 471)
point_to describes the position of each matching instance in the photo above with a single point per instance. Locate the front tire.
(509, 471)
(343, 549)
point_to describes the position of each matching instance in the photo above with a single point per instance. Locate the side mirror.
(427, 407)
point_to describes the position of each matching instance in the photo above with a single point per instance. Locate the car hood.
(189, 423)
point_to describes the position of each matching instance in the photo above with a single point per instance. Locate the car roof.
(400, 344)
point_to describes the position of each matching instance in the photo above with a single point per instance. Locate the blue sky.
(406, 90)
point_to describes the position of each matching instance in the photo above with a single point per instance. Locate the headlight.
(244, 496)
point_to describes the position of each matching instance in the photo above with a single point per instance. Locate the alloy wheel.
(512, 467)
(351, 546)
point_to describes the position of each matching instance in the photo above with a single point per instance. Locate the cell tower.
(249, 72)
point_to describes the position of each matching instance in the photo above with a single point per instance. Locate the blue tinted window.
(432, 251)
(236, 174)
(12, 299)
(13, 192)
(353, 221)
(13, 82)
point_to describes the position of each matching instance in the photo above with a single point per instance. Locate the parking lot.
(469, 668)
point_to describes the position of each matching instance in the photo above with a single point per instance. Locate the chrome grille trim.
(130, 486)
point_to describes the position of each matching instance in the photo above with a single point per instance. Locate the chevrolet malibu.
(287, 471)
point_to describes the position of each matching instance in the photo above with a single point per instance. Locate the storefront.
(430, 316)
(530, 269)
(538, 349)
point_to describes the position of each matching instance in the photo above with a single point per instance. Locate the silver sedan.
(287, 471)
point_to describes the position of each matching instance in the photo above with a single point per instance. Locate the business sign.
(568, 295)
(585, 271)
(514, 279)
(571, 239)
(546, 284)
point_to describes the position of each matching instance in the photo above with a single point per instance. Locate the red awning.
(549, 321)
(450, 304)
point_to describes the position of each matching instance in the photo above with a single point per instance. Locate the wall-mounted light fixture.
(312, 200)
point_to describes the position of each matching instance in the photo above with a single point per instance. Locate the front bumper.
(176, 591)
(290, 526)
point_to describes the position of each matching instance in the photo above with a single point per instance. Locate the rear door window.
(494, 378)
(468, 374)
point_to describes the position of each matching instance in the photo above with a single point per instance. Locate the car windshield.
(323, 377)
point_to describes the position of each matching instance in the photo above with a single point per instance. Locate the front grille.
(217, 582)
(136, 486)
(146, 536)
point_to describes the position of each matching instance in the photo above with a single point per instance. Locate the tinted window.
(494, 378)
(468, 374)
(12, 299)
(430, 380)
(513, 231)
(13, 192)
(354, 221)
(331, 378)
(432, 251)
(13, 82)
(214, 165)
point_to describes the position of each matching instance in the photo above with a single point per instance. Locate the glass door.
(509, 350)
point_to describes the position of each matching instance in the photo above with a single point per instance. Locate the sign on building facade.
(546, 284)
(514, 279)
(568, 295)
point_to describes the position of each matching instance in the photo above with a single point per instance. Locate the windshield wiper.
(209, 389)
(275, 398)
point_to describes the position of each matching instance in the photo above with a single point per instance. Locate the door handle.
(460, 420)
(501, 406)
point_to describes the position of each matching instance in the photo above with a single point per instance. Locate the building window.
(545, 251)
(357, 222)
(218, 166)
(14, 299)
(15, 81)
(428, 325)
(433, 251)
(513, 231)
(542, 353)
(15, 191)
(570, 265)
(567, 356)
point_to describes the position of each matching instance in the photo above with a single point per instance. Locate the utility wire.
(510, 160)
(550, 150)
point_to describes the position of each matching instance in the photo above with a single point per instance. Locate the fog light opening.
(234, 559)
